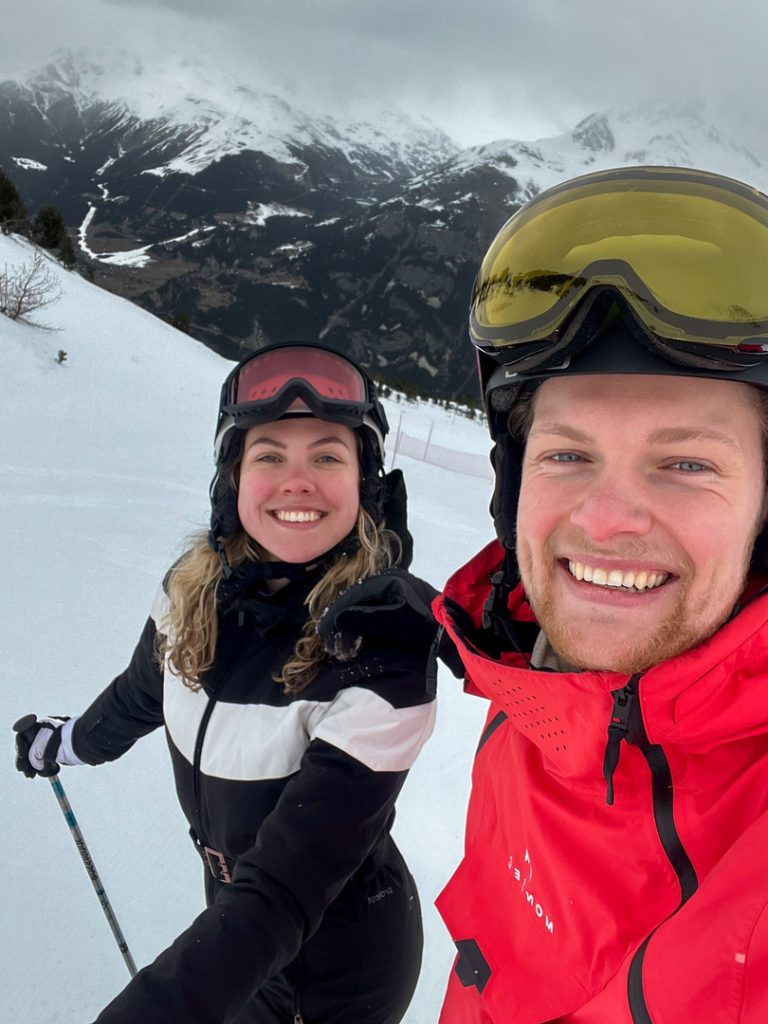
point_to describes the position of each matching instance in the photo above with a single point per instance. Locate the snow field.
(105, 462)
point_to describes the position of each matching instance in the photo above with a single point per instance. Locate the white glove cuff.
(66, 754)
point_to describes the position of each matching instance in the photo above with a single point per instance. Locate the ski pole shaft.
(93, 874)
(28, 723)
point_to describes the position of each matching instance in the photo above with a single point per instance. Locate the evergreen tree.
(67, 251)
(50, 232)
(181, 322)
(13, 213)
(48, 227)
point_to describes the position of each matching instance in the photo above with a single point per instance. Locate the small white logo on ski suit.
(524, 878)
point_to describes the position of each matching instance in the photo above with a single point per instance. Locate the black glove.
(37, 745)
(392, 606)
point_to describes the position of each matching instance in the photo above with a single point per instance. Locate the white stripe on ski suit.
(247, 742)
(259, 741)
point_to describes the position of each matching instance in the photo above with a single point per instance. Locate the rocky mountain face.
(261, 223)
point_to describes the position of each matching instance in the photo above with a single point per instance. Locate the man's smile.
(623, 579)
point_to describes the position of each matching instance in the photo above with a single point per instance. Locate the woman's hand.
(393, 605)
(43, 745)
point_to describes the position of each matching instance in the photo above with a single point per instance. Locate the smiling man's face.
(640, 502)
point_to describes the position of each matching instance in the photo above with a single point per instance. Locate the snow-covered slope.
(104, 468)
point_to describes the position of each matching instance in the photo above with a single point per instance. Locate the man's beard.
(681, 630)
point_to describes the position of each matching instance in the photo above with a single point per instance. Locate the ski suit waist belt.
(219, 865)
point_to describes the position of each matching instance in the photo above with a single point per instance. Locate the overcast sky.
(480, 69)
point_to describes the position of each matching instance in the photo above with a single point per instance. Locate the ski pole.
(21, 726)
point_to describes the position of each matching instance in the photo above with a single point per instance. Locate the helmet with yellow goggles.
(652, 270)
(686, 251)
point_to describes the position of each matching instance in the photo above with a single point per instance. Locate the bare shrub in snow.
(27, 289)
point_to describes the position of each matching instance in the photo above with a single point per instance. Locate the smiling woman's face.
(299, 487)
(640, 502)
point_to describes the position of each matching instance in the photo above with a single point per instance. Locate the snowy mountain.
(180, 118)
(106, 460)
(652, 133)
(193, 194)
(417, 251)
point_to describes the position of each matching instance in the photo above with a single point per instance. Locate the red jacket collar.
(715, 691)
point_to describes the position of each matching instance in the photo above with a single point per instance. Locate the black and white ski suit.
(294, 799)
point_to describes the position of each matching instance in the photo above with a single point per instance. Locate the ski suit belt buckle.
(217, 864)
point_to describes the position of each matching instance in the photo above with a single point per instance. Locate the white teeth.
(297, 517)
(617, 578)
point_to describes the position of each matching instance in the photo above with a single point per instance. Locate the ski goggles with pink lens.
(286, 380)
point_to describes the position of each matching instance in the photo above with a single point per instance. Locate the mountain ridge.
(260, 222)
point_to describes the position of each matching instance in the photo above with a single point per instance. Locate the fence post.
(396, 445)
(429, 438)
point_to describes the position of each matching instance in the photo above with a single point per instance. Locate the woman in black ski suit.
(286, 657)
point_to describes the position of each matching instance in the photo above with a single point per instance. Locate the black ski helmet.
(289, 379)
(650, 270)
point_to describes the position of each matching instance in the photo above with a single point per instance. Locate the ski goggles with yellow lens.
(687, 250)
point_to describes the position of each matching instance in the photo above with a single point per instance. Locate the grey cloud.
(483, 69)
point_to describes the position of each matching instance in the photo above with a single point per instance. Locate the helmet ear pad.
(225, 521)
(507, 454)
(371, 475)
(507, 462)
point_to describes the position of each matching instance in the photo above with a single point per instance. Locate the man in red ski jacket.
(616, 859)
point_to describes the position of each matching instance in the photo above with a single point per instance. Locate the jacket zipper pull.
(618, 729)
(298, 1019)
